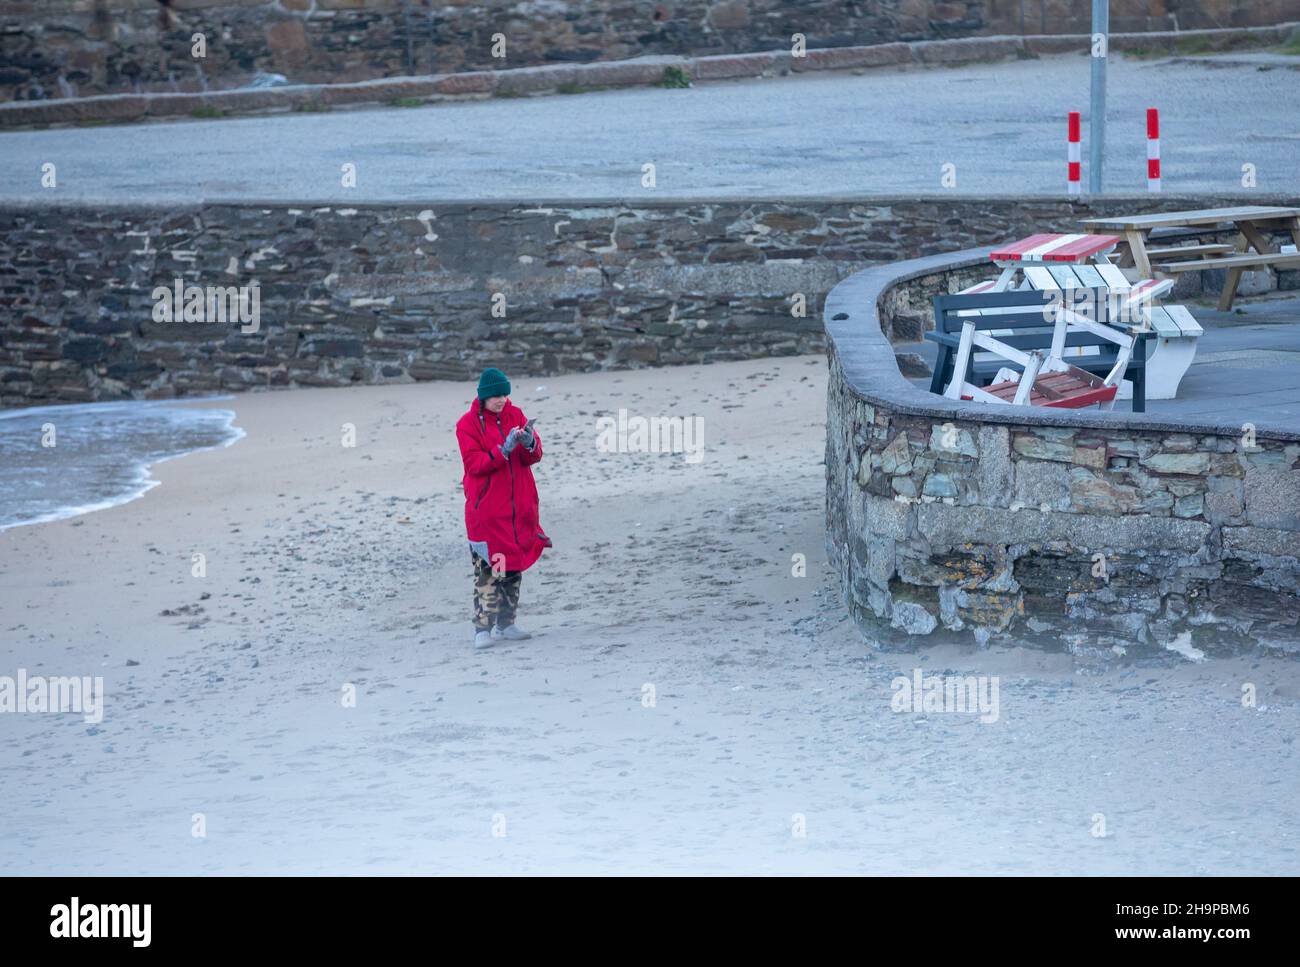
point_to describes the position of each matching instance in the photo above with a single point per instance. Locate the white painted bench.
(1172, 354)
(1173, 351)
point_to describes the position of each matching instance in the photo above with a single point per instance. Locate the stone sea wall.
(381, 293)
(113, 46)
(68, 48)
(1109, 533)
(385, 294)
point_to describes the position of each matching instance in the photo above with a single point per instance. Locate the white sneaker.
(510, 633)
(483, 639)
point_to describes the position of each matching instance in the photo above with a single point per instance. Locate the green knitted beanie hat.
(492, 383)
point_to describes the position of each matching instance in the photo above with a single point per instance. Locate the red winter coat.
(500, 495)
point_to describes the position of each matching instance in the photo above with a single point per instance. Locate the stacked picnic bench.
(1122, 342)
(1069, 353)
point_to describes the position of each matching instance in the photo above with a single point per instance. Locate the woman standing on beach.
(499, 447)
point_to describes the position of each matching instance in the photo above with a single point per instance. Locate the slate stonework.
(386, 294)
(1108, 542)
(68, 48)
(383, 293)
(112, 46)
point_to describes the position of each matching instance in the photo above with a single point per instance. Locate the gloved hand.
(512, 441)
(527, 438)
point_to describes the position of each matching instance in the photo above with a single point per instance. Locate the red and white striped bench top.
(1054, 248)
(1073, 389)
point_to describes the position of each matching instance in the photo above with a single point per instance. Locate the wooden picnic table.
(1253, 224)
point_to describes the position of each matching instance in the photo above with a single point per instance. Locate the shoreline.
(142, 466)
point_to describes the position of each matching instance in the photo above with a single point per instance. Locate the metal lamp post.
(1097, 110)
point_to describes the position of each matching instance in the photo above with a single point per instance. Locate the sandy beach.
(330, 566)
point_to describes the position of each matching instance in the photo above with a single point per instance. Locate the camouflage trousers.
(496, 596)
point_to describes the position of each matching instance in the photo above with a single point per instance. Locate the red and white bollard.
(1153, 149)
(1074, 167)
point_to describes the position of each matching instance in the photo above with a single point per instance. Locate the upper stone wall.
(64, 48)
(378, 293)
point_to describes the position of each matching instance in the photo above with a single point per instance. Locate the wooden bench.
(1177, 335)
(1238, 262)
(1167, 236)
(1188, 251)
(1025, 321)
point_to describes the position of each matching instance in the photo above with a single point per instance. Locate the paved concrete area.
(1247, 367)
(1246, 370)
(883, 132)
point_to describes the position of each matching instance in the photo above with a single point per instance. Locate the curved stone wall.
(1104, 533)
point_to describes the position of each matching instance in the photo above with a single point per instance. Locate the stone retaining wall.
(109, 46)
(384, 293)
(388, 294)
(195, 99)
(1105, 533)
(78, 48)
